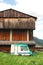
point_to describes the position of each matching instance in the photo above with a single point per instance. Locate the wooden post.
(12, 45)
(27, 35)
(10, 35)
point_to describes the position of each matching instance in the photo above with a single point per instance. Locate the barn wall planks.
(30, 35)
(16, 35)
(5, 48)
(4, 35)
(17, 23)
(19, 35)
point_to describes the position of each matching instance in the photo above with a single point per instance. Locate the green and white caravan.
(20, 49)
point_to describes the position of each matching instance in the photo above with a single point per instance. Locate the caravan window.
(24, 48)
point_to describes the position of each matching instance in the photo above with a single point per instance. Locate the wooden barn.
(16, 28)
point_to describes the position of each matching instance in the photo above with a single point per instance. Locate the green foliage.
(38, 41)
(8, 59)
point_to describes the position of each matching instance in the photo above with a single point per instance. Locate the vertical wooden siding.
(4, 35)
(19, 35)
(32, 48)
(30, 35)
(5, 48)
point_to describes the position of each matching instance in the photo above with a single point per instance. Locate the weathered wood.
(17, 42)
(19, 35)
(14, 13)
(39, 48)
(4, 35)
(12, 19)
(5, 48)
(30, 35)
(17, 23)
(32, 48)
(22, 21)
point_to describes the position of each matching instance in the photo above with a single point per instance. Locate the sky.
(31, 7)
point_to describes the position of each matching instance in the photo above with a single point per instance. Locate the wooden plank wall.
(30, 35)
(5, 48)
(38, 48)
(19, 35)
(17, 23)
(4, 35)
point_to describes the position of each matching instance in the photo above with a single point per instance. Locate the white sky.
(31, 7)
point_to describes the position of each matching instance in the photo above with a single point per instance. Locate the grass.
(8, 59)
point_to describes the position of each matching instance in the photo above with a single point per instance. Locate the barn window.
(4, 35)
(19, 35)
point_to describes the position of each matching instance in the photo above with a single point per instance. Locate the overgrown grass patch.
(8, 59)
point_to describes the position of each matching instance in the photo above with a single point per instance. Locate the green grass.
(8, 59)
